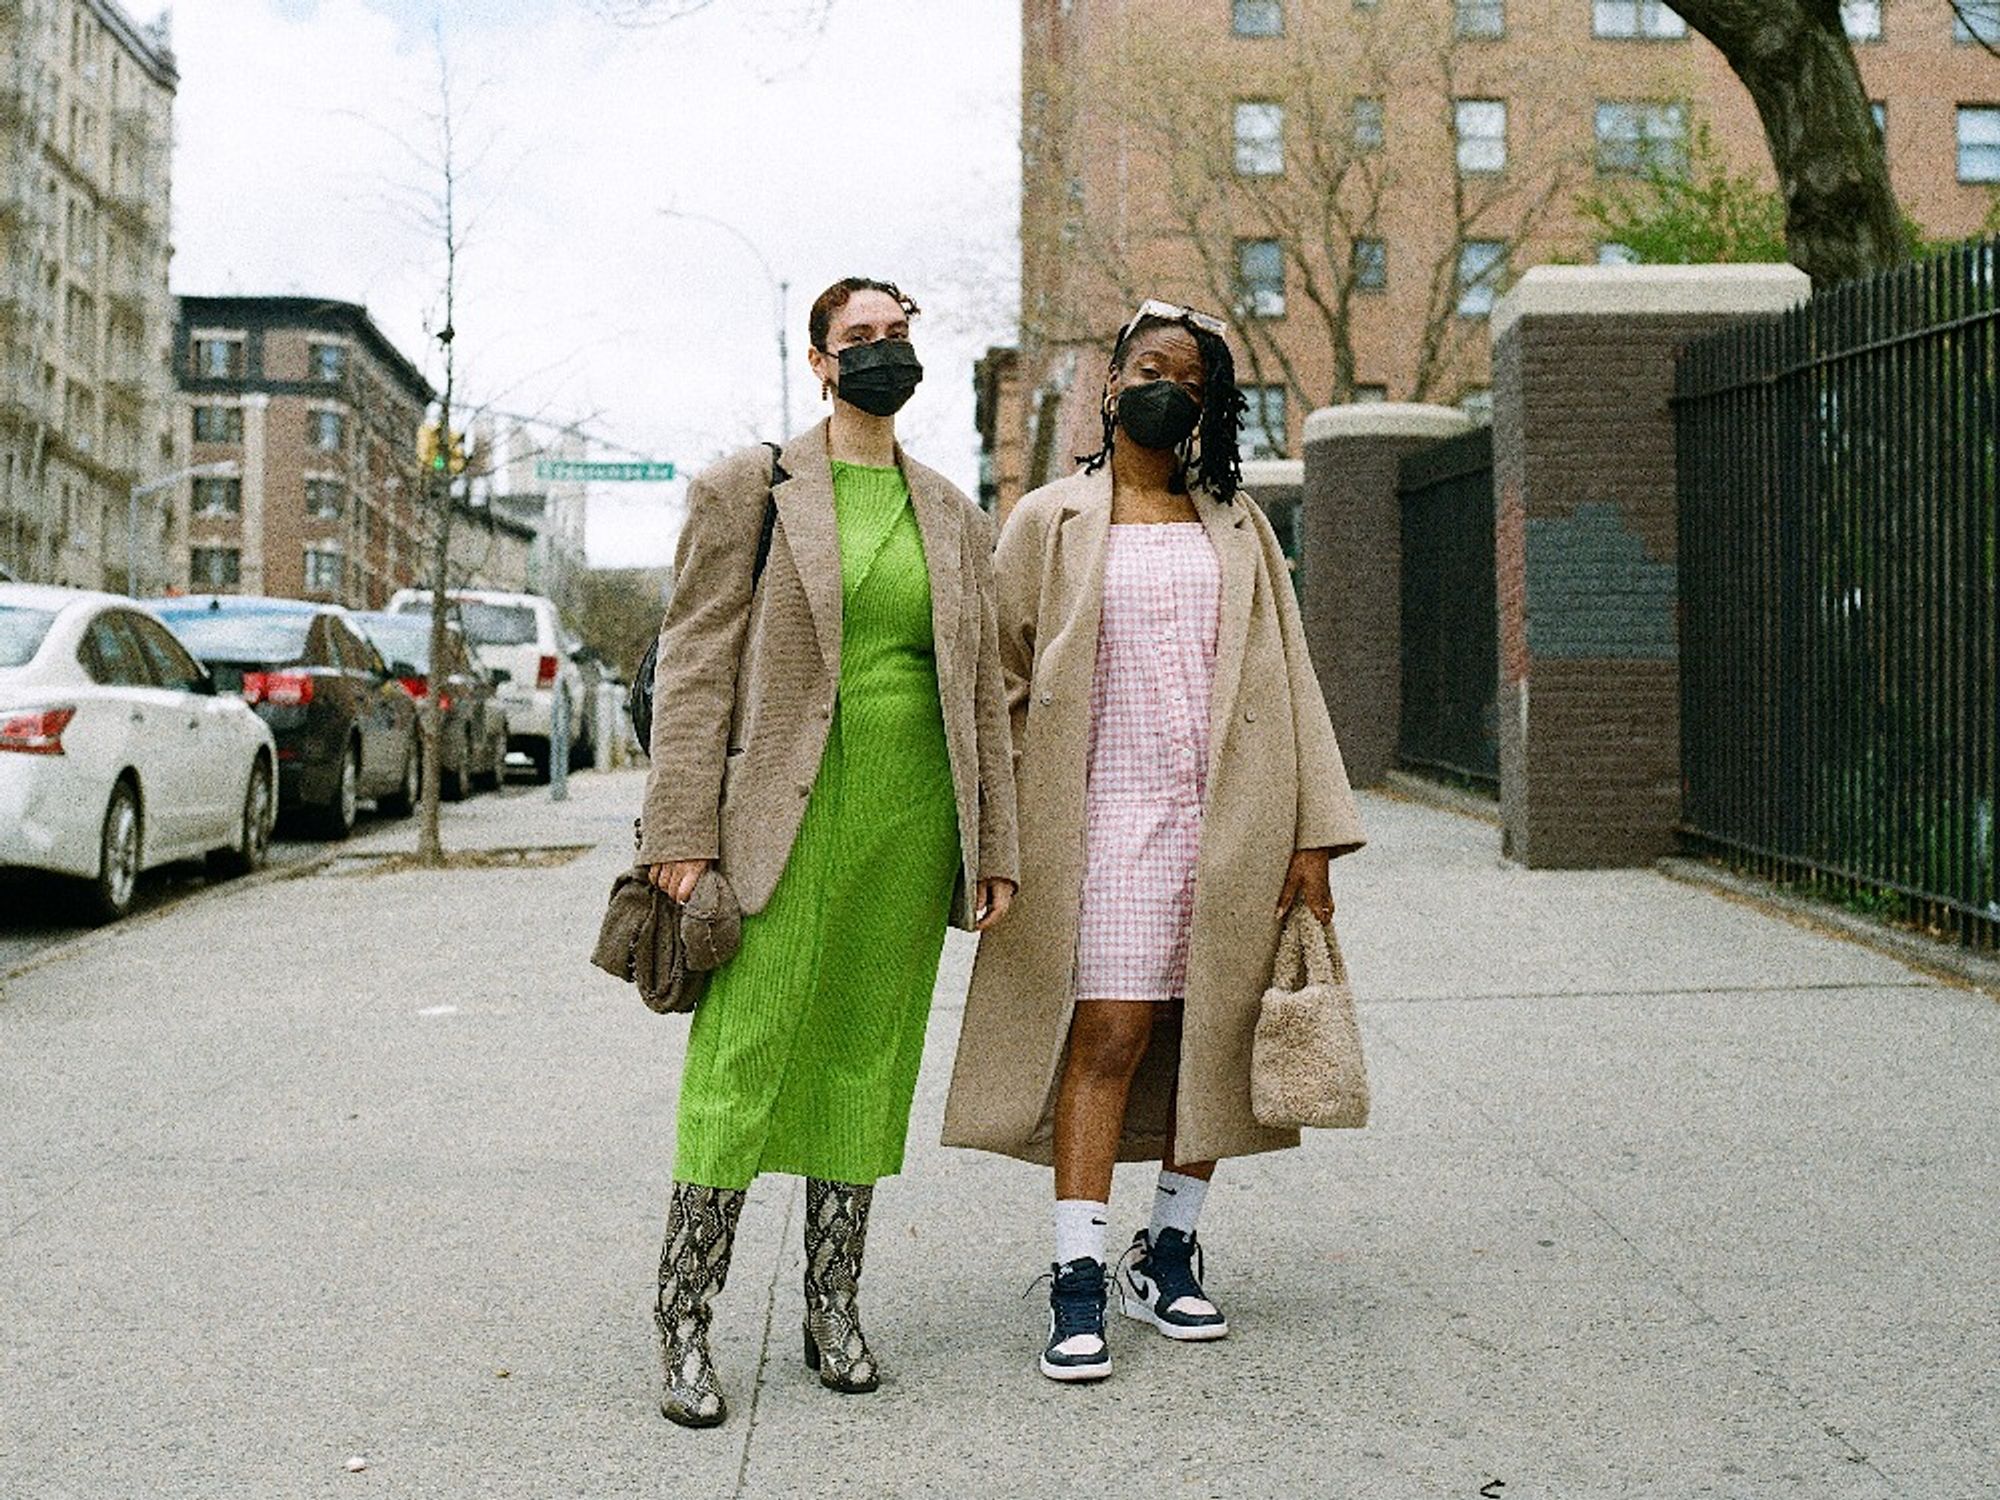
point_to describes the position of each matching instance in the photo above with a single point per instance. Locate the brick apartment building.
(86, 395)
(1353, 182)
(312, 417)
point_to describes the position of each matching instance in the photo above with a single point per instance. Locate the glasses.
(1173, 312)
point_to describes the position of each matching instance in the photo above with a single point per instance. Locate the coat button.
(805, 789)
(1249, 716)
(1048, 698)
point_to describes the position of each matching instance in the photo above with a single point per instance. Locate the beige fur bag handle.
(1308, 952)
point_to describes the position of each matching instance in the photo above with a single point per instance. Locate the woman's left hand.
(1306, 881)
(995, 896)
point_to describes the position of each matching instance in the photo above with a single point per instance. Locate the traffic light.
(428, 456)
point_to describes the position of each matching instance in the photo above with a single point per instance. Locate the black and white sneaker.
(1076, 1349)
(1159, 1284)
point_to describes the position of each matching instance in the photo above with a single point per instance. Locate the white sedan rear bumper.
(47, 820)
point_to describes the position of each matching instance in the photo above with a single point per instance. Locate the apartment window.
(1480, 18)
(1478, 405)
(1259, 18)
(1863, 20)
(218, 497)
(324, 570)
(211, 568)
(1370, 395)
(1611, 253)
(1647, 19)
(1481, 125)
(1371, 264)
(1264, 431)
(1260, 278)
(324, 499)
(1880, 111)
(1976, 21)
(218, 424)
(1979, 143)
(1260, 139)
(1481, 266)
(218, 359)
(329, 362)
(326, 430)
(1369, 125)
(1635, 138)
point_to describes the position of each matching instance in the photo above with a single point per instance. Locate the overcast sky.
(882, 145)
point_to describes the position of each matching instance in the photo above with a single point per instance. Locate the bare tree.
(1327, 198)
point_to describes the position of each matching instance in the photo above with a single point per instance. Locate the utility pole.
(781, 294)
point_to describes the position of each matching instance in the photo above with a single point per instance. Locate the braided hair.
(1210, 453)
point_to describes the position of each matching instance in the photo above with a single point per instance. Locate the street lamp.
(153, 487)
(780, 290)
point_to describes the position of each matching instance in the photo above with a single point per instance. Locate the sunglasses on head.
(1173, 312)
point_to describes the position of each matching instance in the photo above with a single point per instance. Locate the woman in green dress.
(831, 730)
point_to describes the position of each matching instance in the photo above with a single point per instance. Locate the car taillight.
(416, 687)
(36, 731)
(545, 674)
(279, 689)
(444, 702)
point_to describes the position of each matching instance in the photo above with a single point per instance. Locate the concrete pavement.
(1663, 1197)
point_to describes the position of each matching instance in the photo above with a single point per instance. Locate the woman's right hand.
(678, 878)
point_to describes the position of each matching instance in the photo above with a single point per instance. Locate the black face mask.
(1158, 414)
(879, 377)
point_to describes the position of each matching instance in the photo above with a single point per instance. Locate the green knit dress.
(803, 1055)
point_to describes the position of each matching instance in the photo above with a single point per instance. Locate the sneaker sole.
(1074, 1374)
(1141, 1312)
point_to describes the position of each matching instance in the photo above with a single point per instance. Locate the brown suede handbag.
(665, 948)
(1306, 1067)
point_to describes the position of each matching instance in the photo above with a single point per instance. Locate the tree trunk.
(1841, 215)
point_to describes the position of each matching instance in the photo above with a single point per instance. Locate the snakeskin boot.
(836, 1236)
(694, 1263)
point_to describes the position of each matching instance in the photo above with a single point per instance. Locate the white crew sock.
(1176, 1203)
(1080, 1229)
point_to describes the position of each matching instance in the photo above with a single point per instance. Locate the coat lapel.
(939, 523)
(1235, 543)
(1086, 526)
(807, 523)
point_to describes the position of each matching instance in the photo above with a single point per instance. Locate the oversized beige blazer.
(1276, 784)
(745, 691)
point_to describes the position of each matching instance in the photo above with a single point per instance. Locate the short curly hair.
(820, 323)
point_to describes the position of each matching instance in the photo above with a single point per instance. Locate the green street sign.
(572, 471)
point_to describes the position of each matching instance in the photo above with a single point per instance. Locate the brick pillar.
(1351, 548)
(1585, 545)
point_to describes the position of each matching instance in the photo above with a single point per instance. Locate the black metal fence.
(1840, 640)
(1451, 660)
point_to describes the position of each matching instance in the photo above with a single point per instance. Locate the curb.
(1409, 787)
(214, 890)
(1948, 962)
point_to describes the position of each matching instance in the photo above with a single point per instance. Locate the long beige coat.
(743, 699)
(1276, 784)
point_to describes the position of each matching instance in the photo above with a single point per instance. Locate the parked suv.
(521, 640)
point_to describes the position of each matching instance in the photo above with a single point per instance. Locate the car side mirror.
(203, 684)
(498, 675)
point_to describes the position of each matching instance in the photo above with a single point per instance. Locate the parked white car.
(116, 753)
(520, 638)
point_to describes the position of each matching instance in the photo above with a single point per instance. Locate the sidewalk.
(1663, 1197)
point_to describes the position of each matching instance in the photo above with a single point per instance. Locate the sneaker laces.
(1174, 1264)
(1076, 1299)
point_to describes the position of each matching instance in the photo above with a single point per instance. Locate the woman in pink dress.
(1166, 710)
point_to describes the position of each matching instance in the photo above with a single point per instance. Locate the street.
(1663, 1196)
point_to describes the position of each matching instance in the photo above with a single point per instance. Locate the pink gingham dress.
(1148, 765)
